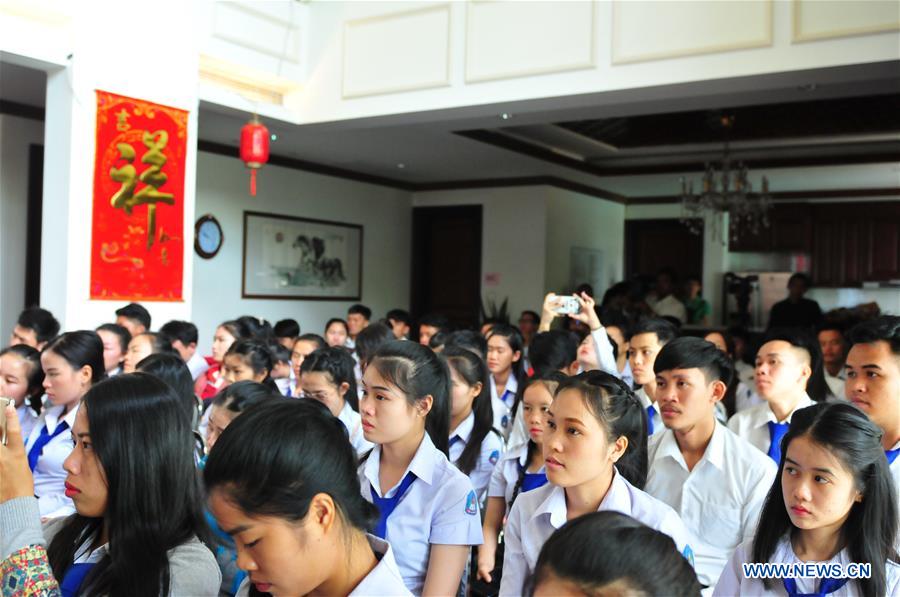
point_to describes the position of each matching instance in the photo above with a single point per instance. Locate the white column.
(151, 55)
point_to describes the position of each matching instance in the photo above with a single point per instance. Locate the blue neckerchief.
(74, 578)
(776, 432)
(828, 585)
(387, 505)
(453, 440)
(892, 455)
(531, 480)
(650, 412)
(43, 439)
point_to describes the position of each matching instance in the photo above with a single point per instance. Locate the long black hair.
(337, 365)
(870, 530)
(172, 369)
(34, 372)
(620, 413)
(550, 381)
(369, 339)
(606, 549)
(516, 344)
(143, 442)
(418, 372)
(472, 370)
(274, 459)
(80, 348)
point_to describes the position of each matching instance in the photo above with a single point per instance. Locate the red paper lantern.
(254, 148)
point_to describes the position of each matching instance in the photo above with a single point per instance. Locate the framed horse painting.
(286, 257)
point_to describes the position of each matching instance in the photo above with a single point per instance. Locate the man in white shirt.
(783, 368)
(358, 317)
(183, 336)
(662, 300)
(648, 337)
(834, 353)
(873, 380)
(716, 481)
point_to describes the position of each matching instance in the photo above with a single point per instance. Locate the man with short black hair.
(873, 380)
(134, 318)
(648, 337)
(183, 335)
(715, 480)
(286, 332)
(834, 353)
(795, 310)
(430, 325)
(400, 323)
(35, 327)
(358, 317)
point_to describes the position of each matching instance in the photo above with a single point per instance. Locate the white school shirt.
(491, 450)
(506, 473)
(384, 579)
(353, 422)
(197, 365)
(753, 424)
(535, 515)
(49, 476)
(719, 500)
(27, 418)
(604, 351)
(440, 507)
(733, 583)
(836, 384)
(502, 404)
(895, 474)
(746, 397)
(658, 425)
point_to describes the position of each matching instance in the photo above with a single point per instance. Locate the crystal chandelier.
(726, 189)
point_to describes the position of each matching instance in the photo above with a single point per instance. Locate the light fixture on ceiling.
(506, 116)
(401, 166)
(726, 188)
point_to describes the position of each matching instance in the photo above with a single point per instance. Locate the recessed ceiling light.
(274, 137)
(506, 116)
(401, 166)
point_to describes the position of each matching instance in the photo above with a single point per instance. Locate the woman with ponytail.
(595, 453)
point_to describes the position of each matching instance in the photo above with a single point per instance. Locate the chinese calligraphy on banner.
(137, 244)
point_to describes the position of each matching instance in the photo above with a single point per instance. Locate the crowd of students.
(600, 452)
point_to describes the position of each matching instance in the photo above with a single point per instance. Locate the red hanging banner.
(137, 242)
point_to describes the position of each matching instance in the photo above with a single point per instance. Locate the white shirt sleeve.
(497, 485)
(756, 499)
(729, 583)
(515, 569)
(457, 521)
(604, 351)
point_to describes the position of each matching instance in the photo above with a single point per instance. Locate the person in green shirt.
(698, 308)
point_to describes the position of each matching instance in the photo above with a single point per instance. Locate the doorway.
(651, 245)
(446, 263)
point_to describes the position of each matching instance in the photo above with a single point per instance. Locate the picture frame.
(293, 258)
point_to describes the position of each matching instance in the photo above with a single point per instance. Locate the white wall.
(222, 190)
(576, 220)
(16, 134)
(513, 244)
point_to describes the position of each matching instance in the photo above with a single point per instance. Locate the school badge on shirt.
(494, 457)
(471, 504)
(688, 554)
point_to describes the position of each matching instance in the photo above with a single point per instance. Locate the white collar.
(714, 454)
(422, 465)
(617, 498)
(770, 416)
(464, 429)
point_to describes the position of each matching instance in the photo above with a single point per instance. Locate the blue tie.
(892, 455)
(43, 439)
(531, 480)
(387, 505)
(776, 432)
(650, 412)
(828, 585)
(73, 579)
(453, 440)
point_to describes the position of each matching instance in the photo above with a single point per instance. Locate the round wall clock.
(208, 236)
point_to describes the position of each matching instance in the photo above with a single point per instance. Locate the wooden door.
(654, 244)
(446, 263)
